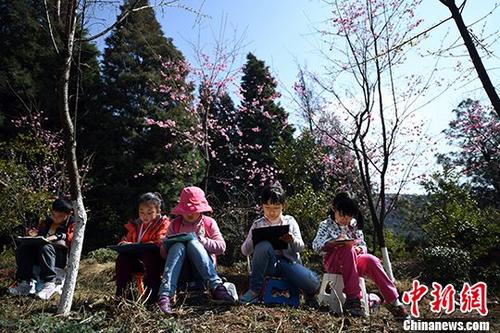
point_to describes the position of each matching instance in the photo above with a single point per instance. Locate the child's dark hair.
(273, 194)
(62, 205)
(151, 198)
(345, 204)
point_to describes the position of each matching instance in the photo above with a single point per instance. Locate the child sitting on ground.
(200, 251)
(150, 227)
(268, 261)
(350, 259)
(57, 229)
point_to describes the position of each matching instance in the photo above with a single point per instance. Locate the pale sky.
(282, 33)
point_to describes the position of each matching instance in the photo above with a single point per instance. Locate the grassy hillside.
(94, 310)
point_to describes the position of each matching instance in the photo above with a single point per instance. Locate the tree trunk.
(73, 265)
(72, 166)
(387, 263)
(65, 17)
(474, 55)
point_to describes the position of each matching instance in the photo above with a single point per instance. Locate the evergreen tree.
(26, 82)
(133, 79)
(27, 62)
(262, 123)
(222, 134)
(302, 164)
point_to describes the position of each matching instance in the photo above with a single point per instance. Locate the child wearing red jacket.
(150, 227)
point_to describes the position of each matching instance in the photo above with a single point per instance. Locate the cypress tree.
(27, 62)
(132, 157)
(222, 135)
(262, 123)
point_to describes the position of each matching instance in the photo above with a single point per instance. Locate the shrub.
(103, 255)
(22, 205)
(453, 217)
(490, 275)
(234, 222)
(444, 265)
(395, 245)
(105, 221)
(31, 172)
(308, 207)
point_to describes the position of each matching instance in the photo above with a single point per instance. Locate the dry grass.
(94, 310)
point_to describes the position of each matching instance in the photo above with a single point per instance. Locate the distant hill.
(403, 220)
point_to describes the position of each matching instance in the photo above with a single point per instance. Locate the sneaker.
(353, 307)
(47, 291)
(249, 297)
(398, 311)
(23, 288)
(221, 295)
(231, 289)
(165, 306)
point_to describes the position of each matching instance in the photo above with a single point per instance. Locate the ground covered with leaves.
(95, 310)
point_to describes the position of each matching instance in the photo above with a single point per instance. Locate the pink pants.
(344, 260)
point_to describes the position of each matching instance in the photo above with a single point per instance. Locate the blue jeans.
(198, 255)
(46, 256)
(265, 262)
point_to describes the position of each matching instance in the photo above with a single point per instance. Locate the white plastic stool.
(335, 299)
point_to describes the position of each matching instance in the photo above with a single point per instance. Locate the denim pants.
(200, 259)
(265, 262)
(46, 256)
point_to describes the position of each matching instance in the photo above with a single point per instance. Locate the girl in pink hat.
(200, 251)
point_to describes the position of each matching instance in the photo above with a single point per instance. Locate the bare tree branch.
(49, 23)
(125, 14)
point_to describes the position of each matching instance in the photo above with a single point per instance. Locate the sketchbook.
(176, 238)
(341, 241)
(33, 241)
(134, 248)
(272, 235)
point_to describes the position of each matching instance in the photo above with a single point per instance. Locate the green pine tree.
(262, 122)
(26, 57)
(132, 157)
(221, 136)
(27, 62)
(28, 80)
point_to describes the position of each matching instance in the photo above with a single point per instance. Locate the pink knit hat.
(192, 200)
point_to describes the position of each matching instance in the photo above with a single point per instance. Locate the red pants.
(149, 262)
(344, 260)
